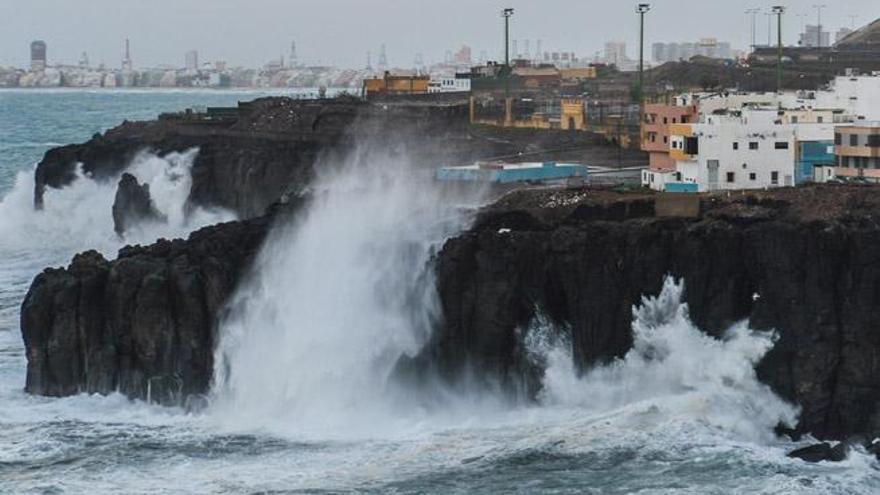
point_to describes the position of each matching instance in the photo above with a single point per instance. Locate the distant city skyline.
(341, 32)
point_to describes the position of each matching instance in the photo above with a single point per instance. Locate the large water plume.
(336, 299)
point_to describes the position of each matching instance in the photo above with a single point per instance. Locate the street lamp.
(642, 9)
(754, 13)
(507, 14)
(778, 10)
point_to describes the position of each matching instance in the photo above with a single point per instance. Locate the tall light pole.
(778, 10)
(507, 14)
(754, 13)
(819, 8)
(642, 9)
(769, 17)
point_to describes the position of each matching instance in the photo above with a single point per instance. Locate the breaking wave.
(674, 372)
(79, 216)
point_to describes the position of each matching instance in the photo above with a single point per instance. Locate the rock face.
(267, 149)
(133, 204)
(143, 324)
(802, 262)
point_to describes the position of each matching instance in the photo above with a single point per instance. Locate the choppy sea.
(302, 405)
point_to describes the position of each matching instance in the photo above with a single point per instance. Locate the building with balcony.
(655, 129)
(857, 147)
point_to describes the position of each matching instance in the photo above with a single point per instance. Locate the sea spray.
(79, 216)
(673, 369)
(335, 300)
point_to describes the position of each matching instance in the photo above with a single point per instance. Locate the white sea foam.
(79, 216)
(674, 371)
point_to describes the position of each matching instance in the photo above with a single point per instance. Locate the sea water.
(301, 401)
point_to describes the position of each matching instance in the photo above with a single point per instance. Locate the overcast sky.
(250, 32)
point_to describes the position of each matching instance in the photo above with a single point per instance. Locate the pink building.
(655, 130)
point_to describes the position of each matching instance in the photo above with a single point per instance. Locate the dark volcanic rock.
(270, 147)
(803, 262)
(143, 324)
(821, 452)
(133, 204)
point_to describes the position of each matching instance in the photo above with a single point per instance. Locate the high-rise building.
(463, 55)
(38, 56)
(383, 59)
(192, 60)
(706, 47)
(294, 58)
(615, 53)
(814, 37)
(126, 59)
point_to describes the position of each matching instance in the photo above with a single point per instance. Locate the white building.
(445, 84)
(753, 148)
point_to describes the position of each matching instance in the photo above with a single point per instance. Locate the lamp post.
(642, 9)
(754, 13)
(778, 10)
(819, 8)
(507, 14)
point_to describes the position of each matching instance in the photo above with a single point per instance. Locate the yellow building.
(396, 85)
(578, 74)
(572, 114)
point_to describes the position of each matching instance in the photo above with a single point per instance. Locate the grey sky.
(250, 32)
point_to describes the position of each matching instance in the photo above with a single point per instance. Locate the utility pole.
(754, 14)
(779, 10)
(769, 17)
(642, 9)
(819, 8)
(507, 14)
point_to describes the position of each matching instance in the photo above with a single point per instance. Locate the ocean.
(301, 403)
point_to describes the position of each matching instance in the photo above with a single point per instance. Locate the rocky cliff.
(143, 324)
(254, 155)
(803, 262)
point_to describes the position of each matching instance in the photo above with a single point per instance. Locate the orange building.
(656, 130)
(396, 85)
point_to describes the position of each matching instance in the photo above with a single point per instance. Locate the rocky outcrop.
(803, 262)
(264, 150)
(821, 452)
(142, 325)
(133, 205)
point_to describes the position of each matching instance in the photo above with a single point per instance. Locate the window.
(665, 120)
(753, 176)
(745, 166)
(684, 119)
(731, 177)
(753, 145)
(665, 139)
(838, 139)
(820, 119)
(853, 139)
(794, 119)
(673, 120)
(782, 145)
(735, 145)
(691, 146)
(874, 141)
(774, 178)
